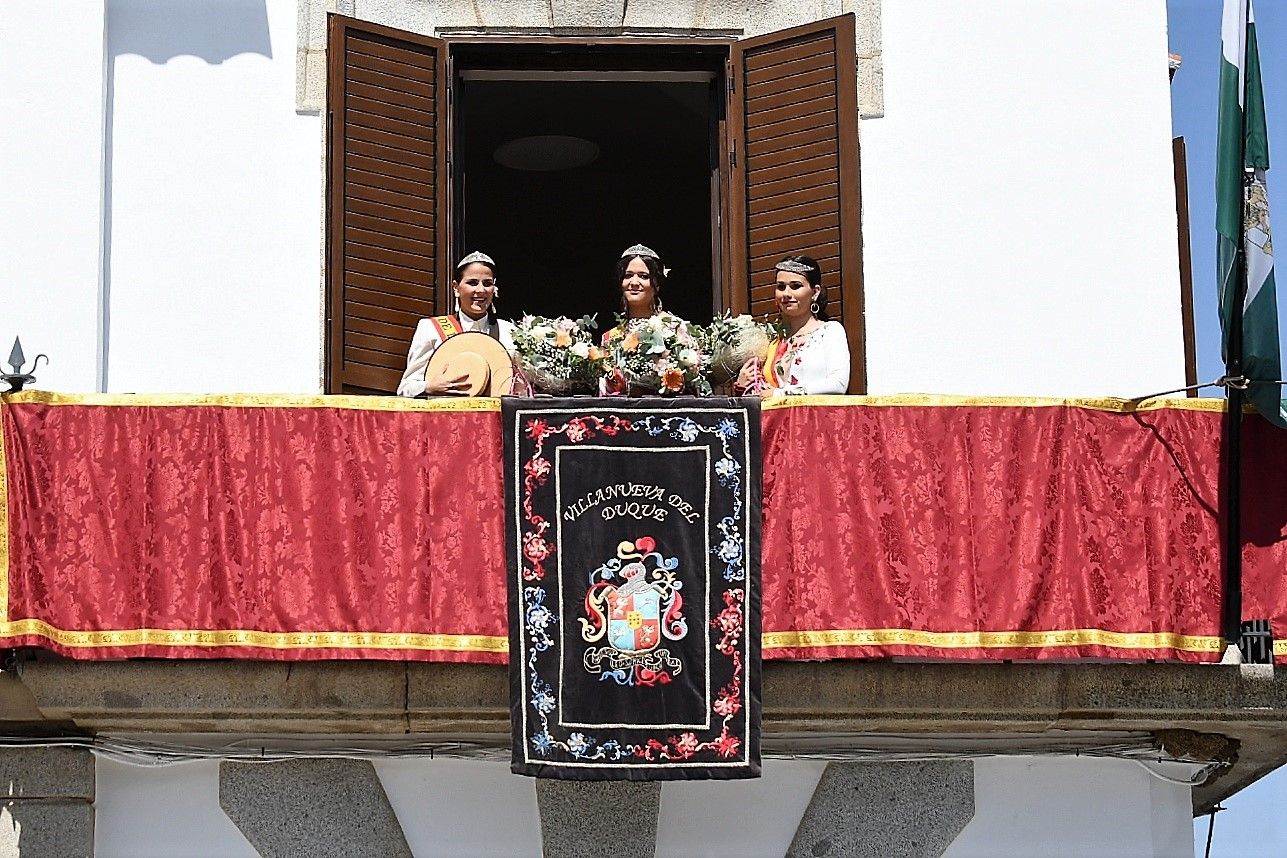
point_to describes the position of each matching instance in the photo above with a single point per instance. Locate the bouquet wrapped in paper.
(730, 341)
(558, 356)
(658, 355)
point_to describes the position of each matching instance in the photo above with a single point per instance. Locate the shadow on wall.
(210, 30)
(159, 31)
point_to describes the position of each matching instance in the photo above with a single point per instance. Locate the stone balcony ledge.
(1233, 713)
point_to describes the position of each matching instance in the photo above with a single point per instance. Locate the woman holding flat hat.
(474, 284)
(813, 356)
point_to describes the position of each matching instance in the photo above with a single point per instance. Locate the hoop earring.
(814, 308)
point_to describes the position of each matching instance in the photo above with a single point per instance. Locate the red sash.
(446, 326)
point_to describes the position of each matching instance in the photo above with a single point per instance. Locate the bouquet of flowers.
(559, 355)
(660, 354)
(730, 341)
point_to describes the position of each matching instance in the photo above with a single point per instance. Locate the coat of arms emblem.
(634, 604)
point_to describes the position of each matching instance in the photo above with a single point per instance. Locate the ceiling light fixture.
(545, 153)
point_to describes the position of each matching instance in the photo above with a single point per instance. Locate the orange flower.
(673, 379)
(595, 353)
(631, 342)
(562, 339)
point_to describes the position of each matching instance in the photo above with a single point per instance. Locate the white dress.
(426, 339)
(817, 362)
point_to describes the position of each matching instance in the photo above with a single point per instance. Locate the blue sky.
(1253, 824)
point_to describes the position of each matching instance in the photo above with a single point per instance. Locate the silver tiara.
(476, 256)
(794, 267)
(640, 250)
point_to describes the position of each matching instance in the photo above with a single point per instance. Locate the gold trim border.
(819, 639)
(944, 400)
(254, 638)
(492, 404)
(993, 640)
(256, 400)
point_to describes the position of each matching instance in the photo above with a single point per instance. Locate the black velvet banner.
(633, 541)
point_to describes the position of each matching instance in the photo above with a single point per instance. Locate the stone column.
(598, 819)
(48, 809)
(316, 807)
(869, 810)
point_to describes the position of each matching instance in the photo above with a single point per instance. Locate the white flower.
(688, 357)
(580, 349)
(542, 332)
(726, 467)
(687, 431)
(578, 744)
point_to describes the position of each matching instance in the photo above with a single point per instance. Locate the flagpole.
(1235, 388)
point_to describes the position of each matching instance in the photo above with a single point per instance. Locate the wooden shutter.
(793, 126)
(385, 203)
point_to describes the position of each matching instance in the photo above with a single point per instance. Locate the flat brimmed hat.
(478, 357)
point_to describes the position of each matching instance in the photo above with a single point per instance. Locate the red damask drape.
(337, 527)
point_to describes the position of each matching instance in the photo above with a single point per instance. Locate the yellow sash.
(773, 354)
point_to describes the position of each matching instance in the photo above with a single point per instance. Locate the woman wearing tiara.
(641, 278)
(813, 356)
(474, 284)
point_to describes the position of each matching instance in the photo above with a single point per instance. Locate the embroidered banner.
(633, 543)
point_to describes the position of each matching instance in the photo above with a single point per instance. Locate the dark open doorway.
(639, 168)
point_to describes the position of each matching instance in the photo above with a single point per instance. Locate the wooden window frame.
(848, 181)
(730, 231)
(339, 378)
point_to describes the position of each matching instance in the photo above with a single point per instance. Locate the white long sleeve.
(818, 363)
(423, 343)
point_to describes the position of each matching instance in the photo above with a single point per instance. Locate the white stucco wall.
(51, 131)
(1077, 808)
(1019, 224)
(1023, 806)
(215, 200)
(1018, 201)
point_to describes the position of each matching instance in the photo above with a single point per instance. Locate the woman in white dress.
(475, 287)
(813, 357)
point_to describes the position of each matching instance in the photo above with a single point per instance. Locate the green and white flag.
(1242, 149)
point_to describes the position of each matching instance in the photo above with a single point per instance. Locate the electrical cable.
(149, 753)
(1240, 382)
(1211, 829)
(1198, 777)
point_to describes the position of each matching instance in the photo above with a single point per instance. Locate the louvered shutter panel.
(386, 151)
(794, 125)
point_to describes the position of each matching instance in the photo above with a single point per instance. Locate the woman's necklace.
(807, 328)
